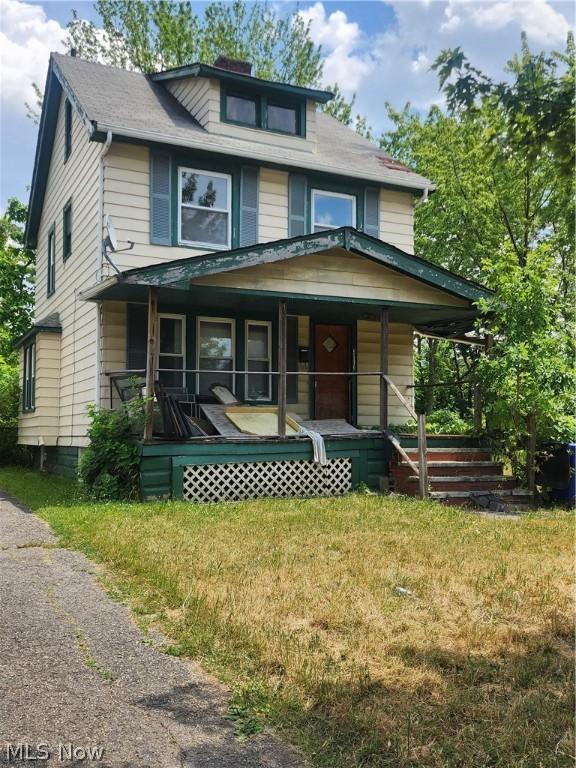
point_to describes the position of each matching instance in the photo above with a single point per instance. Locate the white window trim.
(182, 318)
(259, 359)
(207, 319)
(326, 193)
(228, 209)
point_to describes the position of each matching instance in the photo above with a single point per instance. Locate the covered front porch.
(320, 335)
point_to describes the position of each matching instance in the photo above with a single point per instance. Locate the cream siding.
(127, 200)
(200, 96)
(75, 180)
(273, 205)
(113, 347)
(400, 370)
(41, 426)
(333, 273)
(302, 406)
(397, 219)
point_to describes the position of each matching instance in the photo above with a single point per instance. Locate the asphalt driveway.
(77, 675)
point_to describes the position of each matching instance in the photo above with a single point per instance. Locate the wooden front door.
(332, 353)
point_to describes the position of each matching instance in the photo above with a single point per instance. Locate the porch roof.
(176, 279)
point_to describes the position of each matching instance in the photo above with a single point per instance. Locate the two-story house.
(202, 226)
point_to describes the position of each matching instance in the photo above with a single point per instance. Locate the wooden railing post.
(282, 344)
(150, 362)
(422, 457)
(384, 344)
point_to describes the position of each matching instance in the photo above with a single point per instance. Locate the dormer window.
(282, 118)
(262, 111)
(241, 109)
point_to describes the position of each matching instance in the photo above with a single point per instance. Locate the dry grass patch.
(293, 604)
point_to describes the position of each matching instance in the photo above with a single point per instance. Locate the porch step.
(452, 454)
(435, 468)
(447, 483)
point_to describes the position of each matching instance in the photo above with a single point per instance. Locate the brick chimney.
(234, 65)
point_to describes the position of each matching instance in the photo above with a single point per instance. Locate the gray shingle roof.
(130, 104)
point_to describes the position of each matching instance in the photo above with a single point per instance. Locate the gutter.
(99, 263)
(204, 144)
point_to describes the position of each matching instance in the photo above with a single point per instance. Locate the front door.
(332, 354)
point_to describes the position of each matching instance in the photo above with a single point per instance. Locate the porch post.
(282, 332)
(384, 343)
(150, 362)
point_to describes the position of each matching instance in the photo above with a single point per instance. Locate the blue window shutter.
(160, 199)
(297, 193)
(248, 206)
(372, 212)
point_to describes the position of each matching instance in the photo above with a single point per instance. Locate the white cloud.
(27, 36)
(488, 32)
(342, 40)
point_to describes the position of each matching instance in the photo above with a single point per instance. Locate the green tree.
(17, 270)
(504, 204)
(161, 34)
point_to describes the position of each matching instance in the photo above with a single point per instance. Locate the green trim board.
(33, 332)
(179, 273)
(161, 464)
(239, 79)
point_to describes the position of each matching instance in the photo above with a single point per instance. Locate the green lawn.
(293, 605)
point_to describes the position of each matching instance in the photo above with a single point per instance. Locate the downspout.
(99, 262)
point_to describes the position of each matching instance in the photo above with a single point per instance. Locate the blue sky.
(379, 50)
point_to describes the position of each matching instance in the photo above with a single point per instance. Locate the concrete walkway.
(76, 674)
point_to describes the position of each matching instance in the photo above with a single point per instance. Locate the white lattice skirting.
(234, 482)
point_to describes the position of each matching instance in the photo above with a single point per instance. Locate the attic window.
(256, 110)
(282, 118)
(241, 109)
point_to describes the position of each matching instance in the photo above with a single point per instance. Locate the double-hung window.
(67, 129)
(172, 350)
(51, 262)
(216, 352)
(258, 360)
(331, 210)
(29, 378)
(205, 215)
(67, 231)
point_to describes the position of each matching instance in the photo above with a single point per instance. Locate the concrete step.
(403, 469)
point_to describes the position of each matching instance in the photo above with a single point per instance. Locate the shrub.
(109, 466)
(443, 421)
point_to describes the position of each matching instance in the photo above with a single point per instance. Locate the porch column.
(384, 344)
(150, 362)
(282, 332)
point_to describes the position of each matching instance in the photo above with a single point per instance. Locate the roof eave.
(180, 272)
(410, 184)
(205, 70)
